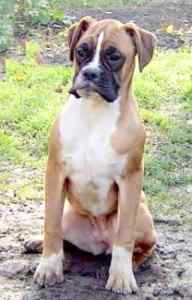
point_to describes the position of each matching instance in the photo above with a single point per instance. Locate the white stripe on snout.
(95, 62)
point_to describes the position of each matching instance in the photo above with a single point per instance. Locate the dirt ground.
(156, 16)
(170, 20)
(167, 275)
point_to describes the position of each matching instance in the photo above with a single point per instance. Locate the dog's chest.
(91, 163)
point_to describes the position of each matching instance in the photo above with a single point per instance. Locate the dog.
(93, 189)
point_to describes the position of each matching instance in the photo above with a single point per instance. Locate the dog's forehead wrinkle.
(108, 26)
(112, 37)
(107, 23)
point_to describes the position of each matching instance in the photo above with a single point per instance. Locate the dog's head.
(103, 53)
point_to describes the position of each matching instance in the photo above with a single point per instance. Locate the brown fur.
(134, 228)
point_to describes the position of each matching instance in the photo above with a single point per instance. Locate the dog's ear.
(76, 31)
(144, 42)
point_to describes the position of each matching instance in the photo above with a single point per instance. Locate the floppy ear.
(144, 42)
(76, 31)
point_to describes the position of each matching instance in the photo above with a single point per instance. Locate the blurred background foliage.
(17, 16)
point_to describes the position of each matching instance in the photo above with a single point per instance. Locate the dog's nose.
(90, 74)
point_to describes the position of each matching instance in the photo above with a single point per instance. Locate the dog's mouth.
(78, 89)
(108, 93)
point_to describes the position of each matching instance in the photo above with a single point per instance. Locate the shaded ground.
(168, 275)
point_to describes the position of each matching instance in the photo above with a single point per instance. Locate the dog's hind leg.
(140, 256)
(146, 236)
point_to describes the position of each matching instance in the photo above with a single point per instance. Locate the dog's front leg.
(121, 278)
(50, 269)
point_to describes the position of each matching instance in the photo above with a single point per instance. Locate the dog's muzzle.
(95, 80)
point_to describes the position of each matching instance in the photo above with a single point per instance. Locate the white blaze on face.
(94, 64)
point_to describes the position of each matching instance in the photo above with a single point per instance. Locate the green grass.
(165, 96)
(164, 92)
(30, 100)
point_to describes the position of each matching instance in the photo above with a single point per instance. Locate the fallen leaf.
(19, 76)
(59, 89)
(169, 29)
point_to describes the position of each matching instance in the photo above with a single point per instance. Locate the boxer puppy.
(94, 174)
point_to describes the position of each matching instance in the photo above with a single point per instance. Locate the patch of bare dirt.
(156, 16)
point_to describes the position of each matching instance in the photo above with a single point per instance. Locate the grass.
(29, 102)
(32, 95)
(165, 97)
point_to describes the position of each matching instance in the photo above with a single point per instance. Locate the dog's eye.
(112, 54)
(83, 51)
(114, 58)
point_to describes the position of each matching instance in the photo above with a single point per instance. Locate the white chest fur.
(86, 126)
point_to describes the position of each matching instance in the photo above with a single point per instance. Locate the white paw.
(121, 283)
(121, 278)
(50, 270)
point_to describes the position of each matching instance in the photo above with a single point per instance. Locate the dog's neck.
(128, 104)
(126, 89)
(96, 109)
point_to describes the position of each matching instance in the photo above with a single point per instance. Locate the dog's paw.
(121, 278)
(50, 270)
(122, 283)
